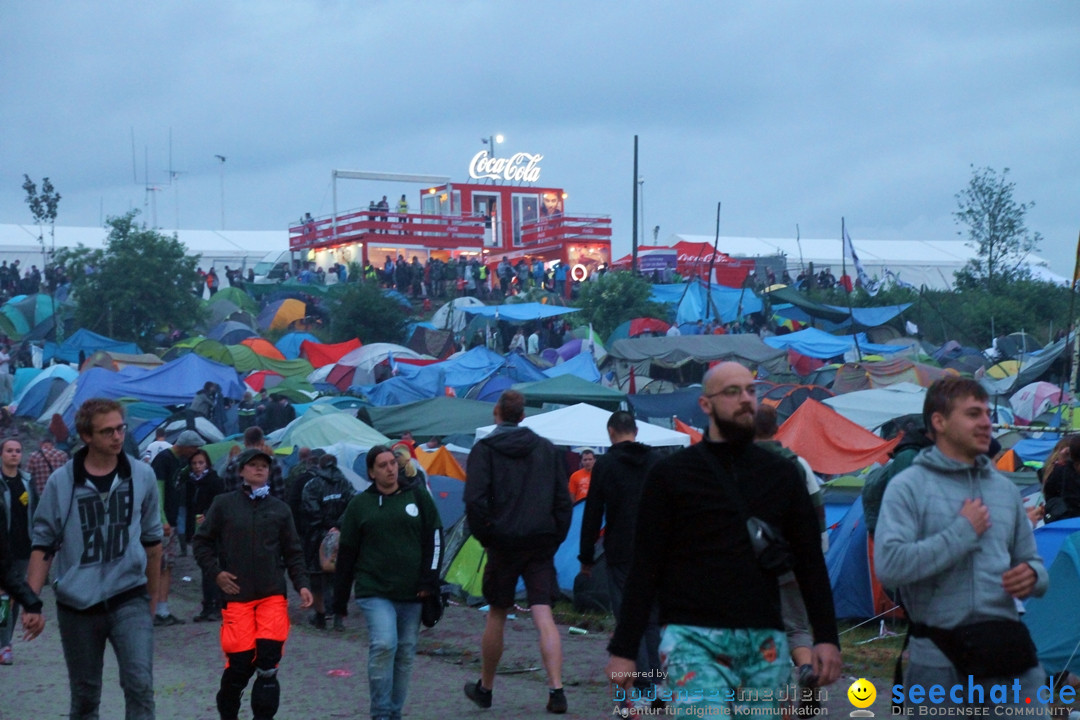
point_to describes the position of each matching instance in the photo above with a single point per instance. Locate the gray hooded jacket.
(947, 575)
(104, 537)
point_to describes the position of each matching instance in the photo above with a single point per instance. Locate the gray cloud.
(787, 112)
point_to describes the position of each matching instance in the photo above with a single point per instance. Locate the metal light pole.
(221, 165)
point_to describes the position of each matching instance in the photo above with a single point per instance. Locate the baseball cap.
(250, 454)
(189, 438)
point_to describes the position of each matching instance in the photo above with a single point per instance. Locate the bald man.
(693, 556)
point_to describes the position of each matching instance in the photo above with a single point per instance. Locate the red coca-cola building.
(501, 211)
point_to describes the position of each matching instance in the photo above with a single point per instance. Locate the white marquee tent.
(584, 425)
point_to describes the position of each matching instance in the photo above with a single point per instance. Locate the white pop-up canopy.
(584, 425)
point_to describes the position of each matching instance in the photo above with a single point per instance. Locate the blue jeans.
(392, 631)
(129, 628)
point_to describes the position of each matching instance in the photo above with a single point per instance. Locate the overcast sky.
(786, 112)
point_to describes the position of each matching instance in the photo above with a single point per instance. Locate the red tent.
(832, 444)
(319, 354)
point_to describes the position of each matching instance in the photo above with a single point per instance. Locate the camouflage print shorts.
(714, 667)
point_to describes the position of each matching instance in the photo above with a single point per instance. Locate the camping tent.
(450, 315)
(586, 425)
(831, 443)
(873, 408)
(672, 352)
(1052, 619)
(324, 425)
(439, 416)
(568, 389)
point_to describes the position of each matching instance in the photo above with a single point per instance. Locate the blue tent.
(289, 343)
(582, 365)
(39, 396)
(1052, 619)
(1050, 538)
(173, 383)
(448, 494)
(398, 391)
(88, 343)
(848, 562)
(520, 369)
(460, 373)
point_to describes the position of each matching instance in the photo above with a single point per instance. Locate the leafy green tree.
(364, 311)
(615, 298)
(995, 230)
(141, 283)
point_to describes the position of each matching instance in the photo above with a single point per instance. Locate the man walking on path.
(698, 554)
(518, 506)
(99, 517)
(618, 478)
(954, 538)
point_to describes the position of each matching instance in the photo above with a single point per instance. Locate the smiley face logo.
(862, 693)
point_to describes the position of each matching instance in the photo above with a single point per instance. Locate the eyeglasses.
(111, 431)
(734, 391)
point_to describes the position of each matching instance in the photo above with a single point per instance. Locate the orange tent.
(319, 354)
(695, 436)
(440, 462)
(263, 347)
(832, 444)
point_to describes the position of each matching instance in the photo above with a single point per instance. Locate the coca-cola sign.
(520, 167)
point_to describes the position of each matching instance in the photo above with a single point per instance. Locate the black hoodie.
(615, 491)
(516, 493)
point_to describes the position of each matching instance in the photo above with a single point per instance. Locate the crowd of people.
(714, 553)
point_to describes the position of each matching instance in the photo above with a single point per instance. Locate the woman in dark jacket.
(200, 484)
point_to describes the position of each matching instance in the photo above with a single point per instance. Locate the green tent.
(245, 360)
(237, 297)
(440, 416)
(570, 390)
(324, 425)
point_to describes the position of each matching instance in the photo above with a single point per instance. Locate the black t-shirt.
(103, 483)
(20, 519)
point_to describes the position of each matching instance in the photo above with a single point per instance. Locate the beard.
(737, 433)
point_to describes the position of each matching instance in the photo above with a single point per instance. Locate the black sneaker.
(319, 621)
(339, 623)
(556, 701)
(480, 696)
(167, 620)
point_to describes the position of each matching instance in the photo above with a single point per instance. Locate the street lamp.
(221, 158)
(490, 141)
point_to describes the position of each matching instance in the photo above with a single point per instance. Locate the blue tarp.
(88, 343)
(520, 369)
(289, 344)
(518, 312)
(682, 404)
(583, 365)
(462, 371)
(819, 344)
(400, 390)
(728, 303)
(173, 383)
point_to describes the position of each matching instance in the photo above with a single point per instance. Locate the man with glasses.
(99, 518)
(694, 557)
